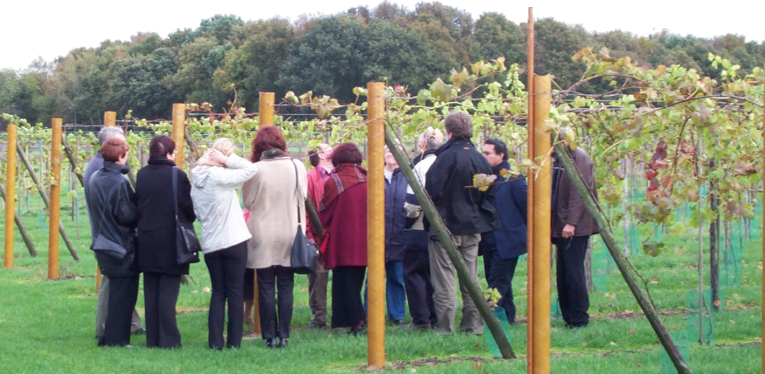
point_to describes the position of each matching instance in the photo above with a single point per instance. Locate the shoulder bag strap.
(297, 185)
(175, 194)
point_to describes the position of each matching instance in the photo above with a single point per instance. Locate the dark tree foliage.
(227, 62)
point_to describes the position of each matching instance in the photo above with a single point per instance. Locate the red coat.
(346, 218)
(315, 193)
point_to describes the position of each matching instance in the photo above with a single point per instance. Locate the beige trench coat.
(273, 203)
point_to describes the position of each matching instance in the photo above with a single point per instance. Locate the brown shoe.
(414, 326)
(316, 325)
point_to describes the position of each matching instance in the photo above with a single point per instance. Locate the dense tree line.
(226, 61)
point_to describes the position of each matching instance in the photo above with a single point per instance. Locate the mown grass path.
(47, 326)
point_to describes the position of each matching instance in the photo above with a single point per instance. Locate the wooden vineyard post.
(541, 222)
(110, 119)
(55, 198)
(530, 198)
(376, 225)
(10, 201)
(265, 118)
(22, 229)
(179, 126)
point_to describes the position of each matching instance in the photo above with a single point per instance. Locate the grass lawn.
(48, 326)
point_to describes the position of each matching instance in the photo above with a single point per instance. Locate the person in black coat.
(156, 240)
(111, 205)
(467, 213)
(501, 248)
(395, 220)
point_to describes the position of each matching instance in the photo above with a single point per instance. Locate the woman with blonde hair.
(224, 235)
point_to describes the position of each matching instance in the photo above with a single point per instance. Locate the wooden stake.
(266, 111)
(541, 222)
(55, 198)
(530, 212)
(179, 124)
(10, 201)
(376, 225)
(110, 119)
(625, 267)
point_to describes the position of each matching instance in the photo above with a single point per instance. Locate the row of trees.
(227, 61)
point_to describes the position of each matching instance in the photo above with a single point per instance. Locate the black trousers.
(572, 284)
(161, 295)
(347, 306)
(226, 268)
(499, 275)
(419, 290)
(123, 293)
(283, 279)
(249, 284)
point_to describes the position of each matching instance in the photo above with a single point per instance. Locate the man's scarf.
(342, 178)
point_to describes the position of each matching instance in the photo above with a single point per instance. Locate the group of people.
(252, 241)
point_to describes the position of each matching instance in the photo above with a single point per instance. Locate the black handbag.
(304, 254)
(187, 246)
(108, 248)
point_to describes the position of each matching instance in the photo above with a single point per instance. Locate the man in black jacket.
(467, 213)
(502, 248)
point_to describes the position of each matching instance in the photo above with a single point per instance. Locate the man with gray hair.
(467, 213)
(419, 289)
(94, 165)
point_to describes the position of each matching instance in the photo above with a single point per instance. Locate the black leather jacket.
(113, 214)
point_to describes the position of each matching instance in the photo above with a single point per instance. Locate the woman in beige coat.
(274, 196)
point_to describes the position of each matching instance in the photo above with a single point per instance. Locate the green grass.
(47, 326)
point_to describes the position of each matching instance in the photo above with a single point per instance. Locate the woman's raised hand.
(217, 156)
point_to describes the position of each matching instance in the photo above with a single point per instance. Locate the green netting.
(499, 312)
(599, 261)
(732, 255)
(43, 222)
(700, 323)
(665, 363)
(555, 308)
(634, 241)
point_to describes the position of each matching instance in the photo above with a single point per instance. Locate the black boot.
(270, 343)
(283, 343)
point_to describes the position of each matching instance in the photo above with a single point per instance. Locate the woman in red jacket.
(343, 213)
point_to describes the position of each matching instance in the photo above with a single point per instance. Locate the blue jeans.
(395, 294)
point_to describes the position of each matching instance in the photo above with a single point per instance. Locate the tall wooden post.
(10, 201)
(541, 222)
(376, 225)
(110, 119)
(265, 118)
(55, 198)
(179, 126)
(266, 111)
(530, 197)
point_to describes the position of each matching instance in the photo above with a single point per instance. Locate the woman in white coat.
(224, 235)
